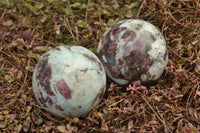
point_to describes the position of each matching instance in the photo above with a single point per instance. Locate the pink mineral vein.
(63, 88)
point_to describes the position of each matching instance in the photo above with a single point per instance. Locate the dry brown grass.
(28, 29)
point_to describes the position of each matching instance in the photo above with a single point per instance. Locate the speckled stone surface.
(69, 80)
(133, 50)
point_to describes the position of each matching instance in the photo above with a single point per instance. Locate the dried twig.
(86, 12)
(49, 110)
(179, 55)
(140, 7)
(67, 24)
(163, 122)
(71, 12)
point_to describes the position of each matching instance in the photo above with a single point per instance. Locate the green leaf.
(94, 50)
(5, 112)
(39, 5)
(76, 4)
(129, 14)
(134, 10)
(3, 125)
(197, 70)
(26, 124)
(41, 48)
(19, 128)
(116, 6)
(33, 55)
(43, 19)
(192, 113)
(24, 115)
(130, 124)
(38, 120)
(32, 8)
(1, 70)
(111, 22)
(105, 110)
(67, 10)
(61, 128)
(57, 29)
(30, 54)
(30, 68)
(76, 120)
(28, 108)
(132, 5)
(182, 61)
(9, 79)
(82, 24)
(50, 1)
(9, 121)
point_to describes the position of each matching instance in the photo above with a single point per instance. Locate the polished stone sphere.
(133, 50)
(69, 80)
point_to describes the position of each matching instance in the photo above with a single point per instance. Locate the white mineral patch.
(104, 58)
(158, 49)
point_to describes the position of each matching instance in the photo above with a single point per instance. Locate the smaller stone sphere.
(69, 80)
(133, 50)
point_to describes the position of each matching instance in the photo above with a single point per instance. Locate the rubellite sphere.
(69, 80)
(133, 50)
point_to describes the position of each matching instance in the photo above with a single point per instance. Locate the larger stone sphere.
(69, 80)
(133, 50)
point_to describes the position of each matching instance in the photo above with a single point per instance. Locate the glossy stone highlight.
(69, 80)
(133, 50)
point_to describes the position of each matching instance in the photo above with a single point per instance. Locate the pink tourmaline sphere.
(69, 80)
(133, 50)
